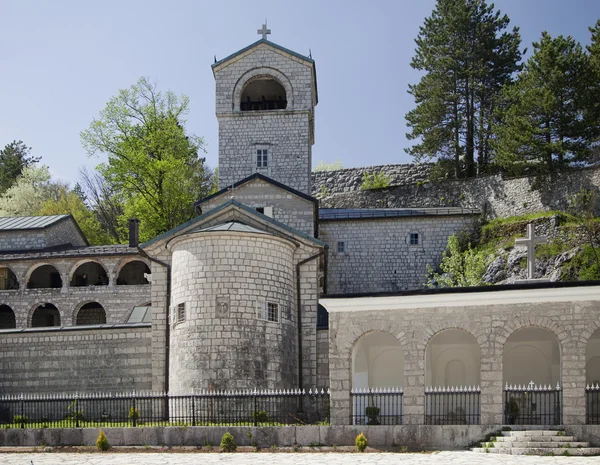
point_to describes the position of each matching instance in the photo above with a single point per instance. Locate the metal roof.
(366, 213)
(236, 226)
(17, 223)
(94, 250)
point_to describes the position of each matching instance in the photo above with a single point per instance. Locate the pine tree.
(541, 124)
(468, 56)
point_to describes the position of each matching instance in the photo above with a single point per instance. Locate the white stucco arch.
(262, 73)
(377, 361)
(453, 358)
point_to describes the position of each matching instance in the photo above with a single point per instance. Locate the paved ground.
(441, 458)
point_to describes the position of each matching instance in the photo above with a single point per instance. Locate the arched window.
(7, 317)
(91, 314)
(132, 274)
(263, 94)
(89, 274)
(45, 315)
(8, 280)
(46, 276)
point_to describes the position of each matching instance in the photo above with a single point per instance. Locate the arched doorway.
(45, 315)
(44, 277)
(89, 274)
(377, 377)
(7, 317)
(91, 313)
(531, 366)
(452, 378)
(263, 94)
(8, 280)
(132, 274)
(592, 379)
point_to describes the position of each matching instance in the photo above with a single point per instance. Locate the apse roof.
(14, 223)
(236, 226)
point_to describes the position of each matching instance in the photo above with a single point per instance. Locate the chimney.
(134, 232)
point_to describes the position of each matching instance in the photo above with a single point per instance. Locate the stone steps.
(536, 442)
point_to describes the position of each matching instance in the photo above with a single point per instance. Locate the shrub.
(260, 416)
(102, 443)
(134, 415)
(20, 419)
(375, 181)
(324, 166)
(227, 443)
(361, 442)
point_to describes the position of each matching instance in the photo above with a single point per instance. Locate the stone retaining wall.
(416, 438)
(498, 196)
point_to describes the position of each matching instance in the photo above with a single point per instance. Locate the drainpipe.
(299, 313)
(167, 325)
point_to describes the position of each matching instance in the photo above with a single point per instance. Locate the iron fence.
(532, 405)
(376, 406)
(216, 408)
(449, 405)
(592, 404)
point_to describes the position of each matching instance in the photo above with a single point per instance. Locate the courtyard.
(456, 458)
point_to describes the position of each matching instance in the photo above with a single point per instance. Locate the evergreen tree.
(14, 157)
(542, 123)
(468, 55)
(591, 95)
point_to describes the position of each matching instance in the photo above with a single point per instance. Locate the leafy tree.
(14, 157)
(460, 268)
(152, 163)
(542, 123)
(69, 202)
(31, 190)
(467, 55)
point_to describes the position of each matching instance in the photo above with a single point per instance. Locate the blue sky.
(61, 61)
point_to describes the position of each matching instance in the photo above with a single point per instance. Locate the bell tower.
(265, 101)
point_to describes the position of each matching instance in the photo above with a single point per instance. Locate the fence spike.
(557, 386)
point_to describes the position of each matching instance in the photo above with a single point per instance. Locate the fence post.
(193, 410)
(134, 416)
(255, 411)
(22, 403)
(76, 408)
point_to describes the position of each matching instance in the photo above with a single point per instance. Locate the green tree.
(591, 95)
(541, 124)
(152, 163)
(460, 268)
(68, 202)
(31, 190)
(14, 157)
(467, 55)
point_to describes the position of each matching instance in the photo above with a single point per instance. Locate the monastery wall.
(322, 358)
(52, 360)
(378, 256)
(498, 196)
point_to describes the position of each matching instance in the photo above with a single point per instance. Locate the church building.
(264, 289)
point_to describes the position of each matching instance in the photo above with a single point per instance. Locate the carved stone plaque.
(222, 306)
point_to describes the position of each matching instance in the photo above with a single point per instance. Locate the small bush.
(324, 166)
(20, 419)
(375, 181)
(102, 443)
(228, 443)
(134, 415)
(260, 416)
(361, 442)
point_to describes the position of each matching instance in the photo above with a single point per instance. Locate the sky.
(61, 61)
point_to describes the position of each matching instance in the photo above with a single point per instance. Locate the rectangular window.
(262, 158)
(180, 313)
(414, 238)
(268, 311)
(341, 247)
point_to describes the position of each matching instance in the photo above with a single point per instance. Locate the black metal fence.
(452, 405)
(223, 408)
(376, 406)
(532, 405)
(592, 404)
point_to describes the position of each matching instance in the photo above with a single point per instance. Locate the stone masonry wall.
(64, 232)
(378, 256)
(490, 324)
(68, 361)
(350, 179)
(287, 134)
(288, 208)
(322, 358)
(497, 196)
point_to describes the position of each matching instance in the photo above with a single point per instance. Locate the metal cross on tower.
(530, 242)
(264, 31)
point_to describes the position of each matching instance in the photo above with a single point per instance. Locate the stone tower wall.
(232, 348)
(287, 134)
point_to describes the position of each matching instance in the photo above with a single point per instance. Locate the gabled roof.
(21, 223)
(223, 206)
(270, 44)
(236, 226)
(304, 58)
(262, 177)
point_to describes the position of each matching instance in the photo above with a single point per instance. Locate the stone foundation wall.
(497, 196)
(53, 361)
